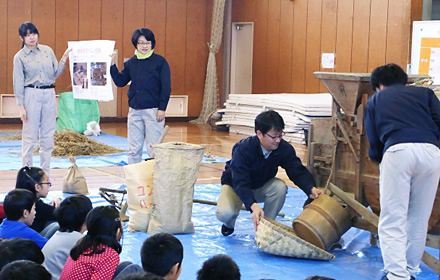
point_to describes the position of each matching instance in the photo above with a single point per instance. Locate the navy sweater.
(401, 114)
(150, 81)
(249, 170)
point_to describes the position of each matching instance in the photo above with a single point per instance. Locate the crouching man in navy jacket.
(249, 177)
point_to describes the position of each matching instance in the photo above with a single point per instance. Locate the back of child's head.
(24, 270)
(317, 277)
(103, 226)
(219, 267)
(72, 213)
(160, 252)
(140, 276)
(27, 177)
(16, 201)
(19, 249)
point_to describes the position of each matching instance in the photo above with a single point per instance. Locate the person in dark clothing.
(36, 180)
(14, 249)
(402, 124)
(25, 270)
(249, 177)
(148, 94)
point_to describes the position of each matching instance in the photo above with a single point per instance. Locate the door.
(241, 57)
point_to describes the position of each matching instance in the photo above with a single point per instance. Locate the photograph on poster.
(80, 74)
(99, 73)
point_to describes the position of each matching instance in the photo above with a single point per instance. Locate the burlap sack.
(175, 173)
(74, 181)
(139, 178)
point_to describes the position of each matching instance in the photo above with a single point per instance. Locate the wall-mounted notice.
(328, 60)
(90, 69)
(425, 53)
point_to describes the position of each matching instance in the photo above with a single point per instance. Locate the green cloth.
(74, 114)
(143, 56)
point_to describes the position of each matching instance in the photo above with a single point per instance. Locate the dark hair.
(219, 267)
(388, 75)
(160, 252)
(27, 28)
(268, 120)
(16, 201)
(72, 213)
(24, 270)
(318, 278)
(140, 276)
(148, 34)
(19, 249)
(27, 177)
(103, 223)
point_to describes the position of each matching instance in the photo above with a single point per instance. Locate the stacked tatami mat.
(296, 109)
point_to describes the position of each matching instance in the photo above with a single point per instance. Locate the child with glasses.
(36, 180)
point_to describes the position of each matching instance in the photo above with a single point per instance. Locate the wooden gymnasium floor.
(218, 143)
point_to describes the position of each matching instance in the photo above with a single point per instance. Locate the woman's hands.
(65, 55)
(113, 56)
(23, 114)
(160, 115)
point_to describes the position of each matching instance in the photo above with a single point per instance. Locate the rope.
(210, 94)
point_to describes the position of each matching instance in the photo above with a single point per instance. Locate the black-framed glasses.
(278, 136)
(144, 43)
(26, 168)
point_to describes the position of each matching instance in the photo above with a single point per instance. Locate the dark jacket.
(44, 214)
(249, 170)
(401, 114)
(150, 81)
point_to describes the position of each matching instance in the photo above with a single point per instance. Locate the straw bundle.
(70, 143)
(278, 239)
(14, 137)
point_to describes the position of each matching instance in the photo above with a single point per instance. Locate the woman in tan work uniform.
(35, 70)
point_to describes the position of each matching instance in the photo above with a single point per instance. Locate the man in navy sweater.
(249, 177)
(403, 127)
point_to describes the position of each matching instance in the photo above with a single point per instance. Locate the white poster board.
(425, 52)
(90, 69)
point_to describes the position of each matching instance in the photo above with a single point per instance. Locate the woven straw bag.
(278, 239)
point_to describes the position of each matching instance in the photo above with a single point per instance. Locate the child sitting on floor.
(19, 208)
(15, 249)
(35, 180)
(24, 270)
(71, 216)
(141, 276)
(219, 267)
(161, 254)
(96, 255)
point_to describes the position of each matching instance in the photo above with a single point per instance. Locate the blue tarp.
(10, 152)
(357, 260)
